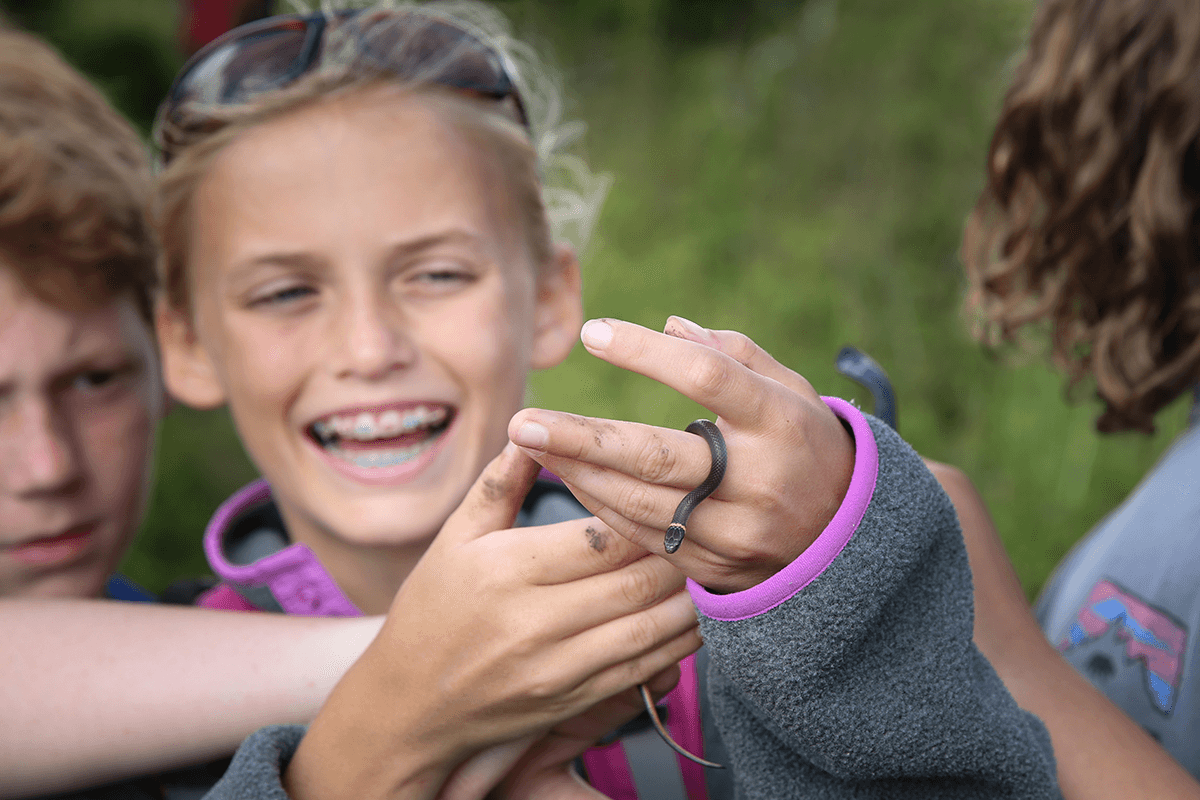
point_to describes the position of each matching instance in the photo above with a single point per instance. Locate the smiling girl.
(359, 263)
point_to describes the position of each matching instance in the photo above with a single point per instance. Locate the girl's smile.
(387, 445)
(370, 318)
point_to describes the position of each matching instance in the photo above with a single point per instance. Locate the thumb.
(495, 498)
(742, 349)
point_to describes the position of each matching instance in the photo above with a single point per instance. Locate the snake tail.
(666, 736)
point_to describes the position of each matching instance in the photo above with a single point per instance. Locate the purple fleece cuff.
(784, 584)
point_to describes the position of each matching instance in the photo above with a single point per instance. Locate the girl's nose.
(40, 451)
(374, 339)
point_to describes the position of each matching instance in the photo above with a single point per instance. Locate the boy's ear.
(187, 369)
(558, 313)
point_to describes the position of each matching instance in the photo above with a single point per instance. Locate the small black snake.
(674, 537)
(716, 445)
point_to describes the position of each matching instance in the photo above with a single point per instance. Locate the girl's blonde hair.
(556, 195)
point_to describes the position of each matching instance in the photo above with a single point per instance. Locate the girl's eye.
(282, 296)
(439, 279)
(443, 276)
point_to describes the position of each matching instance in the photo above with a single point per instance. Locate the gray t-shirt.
(1124, 605)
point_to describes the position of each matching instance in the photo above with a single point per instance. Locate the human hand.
(533, 768)
(496, 634)
(790, 459)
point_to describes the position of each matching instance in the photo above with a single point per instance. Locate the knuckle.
(637, 505)
(768, 496)
(657, 460)
(741, 348)
(541, 687)
(639, 586)
(708, 373)
(579, 446)
(644, 632)
(641, 537)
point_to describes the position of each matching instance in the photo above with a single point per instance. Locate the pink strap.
(608, 772)
(608, 767)
(684, 723)
(222, 598)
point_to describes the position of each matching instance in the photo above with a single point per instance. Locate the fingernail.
(596, 333)
(686, 329)
(531, 435)
(687, 325)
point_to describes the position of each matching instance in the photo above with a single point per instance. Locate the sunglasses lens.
(249, 65)
(272, 54)
(428, 49)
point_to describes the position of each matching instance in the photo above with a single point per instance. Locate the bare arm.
(1101, 752)
(95, 691)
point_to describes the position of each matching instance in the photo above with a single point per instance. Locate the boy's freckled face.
(80, 396)
(368, 311)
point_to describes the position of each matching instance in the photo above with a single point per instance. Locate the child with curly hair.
(1088, 228)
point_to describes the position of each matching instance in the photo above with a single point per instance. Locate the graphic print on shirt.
(1150, 636)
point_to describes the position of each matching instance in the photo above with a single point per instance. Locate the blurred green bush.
(797, 171)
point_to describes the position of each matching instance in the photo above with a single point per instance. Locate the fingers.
(711, 378)
(661, 683)
(646, 585)
(636, 510)
(656, 455)
(565, 551)
(647, 537)
(629, 647)
(740, 348)
(562, 784)
(476, 776)
(636, 637)
(495, 498)
(639, 668)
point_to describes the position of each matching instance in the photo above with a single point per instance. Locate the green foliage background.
(798, 171)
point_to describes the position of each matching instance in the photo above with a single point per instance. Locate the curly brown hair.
(1089, 219)
(74, 185)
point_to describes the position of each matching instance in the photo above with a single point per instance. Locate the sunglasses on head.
(273, 53)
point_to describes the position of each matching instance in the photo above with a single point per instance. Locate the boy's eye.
(96, 379)
(95, 382)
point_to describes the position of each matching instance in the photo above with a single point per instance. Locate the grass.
(803, 180)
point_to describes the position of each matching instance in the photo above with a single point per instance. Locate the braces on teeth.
(366, 426)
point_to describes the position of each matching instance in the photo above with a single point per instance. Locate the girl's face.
(363, 301)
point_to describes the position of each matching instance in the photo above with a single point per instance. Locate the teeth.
(324, 431)
(389, 423)
(381, 458)
(366, 426)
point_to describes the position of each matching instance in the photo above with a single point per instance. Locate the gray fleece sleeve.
(852, 672)
(256, 772)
